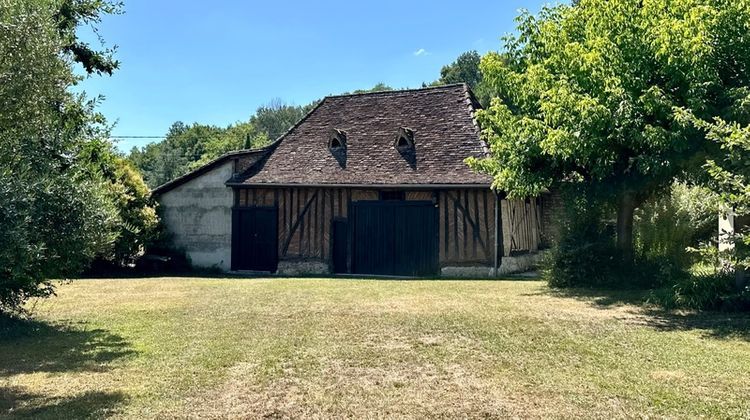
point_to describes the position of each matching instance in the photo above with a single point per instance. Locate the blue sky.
(216, 62)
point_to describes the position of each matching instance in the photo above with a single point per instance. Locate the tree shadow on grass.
(601, 298)
(32, 346)
(711, 324)
(720, 325)
(16, 403)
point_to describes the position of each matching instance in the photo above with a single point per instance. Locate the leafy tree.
(55, 217)
(175, 155)
(234, 137)
(465, 70)
(380, 87)
(187, 147)
(729, 171)
(597, 94)
(69, 15)
(136, 223)
(275, 118)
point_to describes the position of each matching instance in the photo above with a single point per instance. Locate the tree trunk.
(625, 210)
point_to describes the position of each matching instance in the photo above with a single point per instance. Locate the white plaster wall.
(198, 214)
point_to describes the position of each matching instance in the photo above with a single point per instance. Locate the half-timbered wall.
(305, 215)
(521, 226)
(466, 219)
(467, 226)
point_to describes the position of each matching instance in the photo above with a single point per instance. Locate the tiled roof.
(444, 131)
(244, 158)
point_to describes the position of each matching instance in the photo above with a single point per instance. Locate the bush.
(54, 217)
(137, 222)
(52, 229)
(665, 229)
(667, 226)
(582, 258)
(585, 254)
(705, 290)
(582, 247)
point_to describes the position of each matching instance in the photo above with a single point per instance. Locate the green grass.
(225, 348)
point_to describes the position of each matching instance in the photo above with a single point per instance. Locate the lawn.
(225, 348)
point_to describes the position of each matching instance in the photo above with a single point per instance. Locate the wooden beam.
(467, 219)
(297, 223)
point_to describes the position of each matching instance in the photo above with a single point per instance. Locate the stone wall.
(510, 265)
(303, 267)
(198, 214)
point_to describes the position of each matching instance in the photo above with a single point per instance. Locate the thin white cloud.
(421, 52)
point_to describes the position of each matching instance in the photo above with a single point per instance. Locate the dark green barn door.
(395, 238)
(254, 239)
(339, 237)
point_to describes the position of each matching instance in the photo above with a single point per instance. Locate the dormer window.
(405, 139)
(337, 140)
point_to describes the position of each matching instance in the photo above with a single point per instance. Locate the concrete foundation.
(198, 214)
(303, 268)
(510, 265)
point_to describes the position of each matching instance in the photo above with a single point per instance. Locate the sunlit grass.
(353, 348)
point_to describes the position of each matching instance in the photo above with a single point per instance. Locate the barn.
(370, 184)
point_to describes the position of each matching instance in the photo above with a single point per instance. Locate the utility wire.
(270, 136)
(137, 137)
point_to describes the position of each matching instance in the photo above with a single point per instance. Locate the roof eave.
(170, 185)
(354, 185)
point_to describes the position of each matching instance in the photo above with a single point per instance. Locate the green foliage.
(582, 258)
(466, 70)
(276, 118)
(56, 215)
(584, 254)
(596, 93)
(69, 16)
(676, 253)
(187, 147)
(52, 228)
(668, 226)
(137, 221)
(587, 93)
(708, 285)
(729, 169)
(704, 290)
(380, 87)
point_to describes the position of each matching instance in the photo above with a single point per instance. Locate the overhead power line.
(137, 137)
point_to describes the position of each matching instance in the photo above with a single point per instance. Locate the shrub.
(705, 289)
(137, 219)
(667, 226)
(585, 253)
(582, 258)
(54, 217)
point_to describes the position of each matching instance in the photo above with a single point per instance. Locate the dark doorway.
(340, 235)
(254, 239)
(394, 238)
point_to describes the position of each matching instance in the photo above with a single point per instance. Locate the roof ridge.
(474, 106)
(278, 139)
(397, 91)
(188, 175)
(273, 144)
